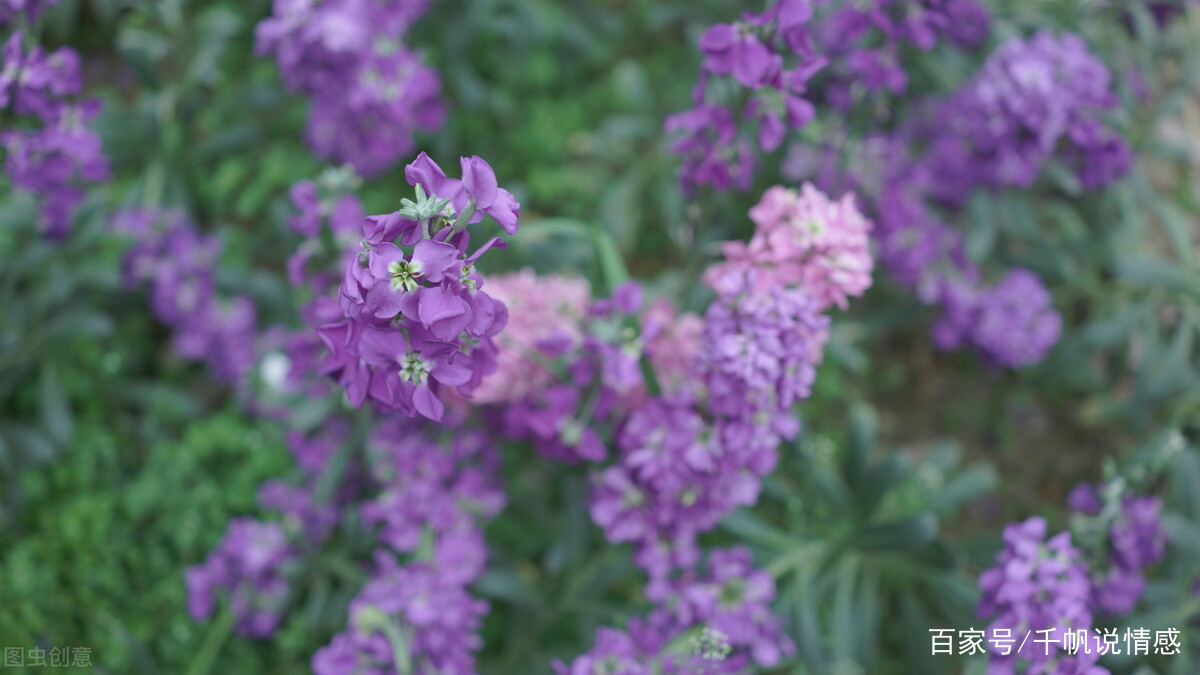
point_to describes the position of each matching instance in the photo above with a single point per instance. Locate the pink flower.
(806, 240)
(545, 313)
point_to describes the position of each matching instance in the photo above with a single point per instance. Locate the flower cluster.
(1035, 99)
(1039, 584)
(697, 408)
(1032, 102)
(688, 459)
(53, 160)
(598, 381)
(407, 619)
(248, 564)
(726, 613)
(1013, 323)
(864, 40)
(418, 617)
(369, 92)
(551, 310)
(178, 263)
(769, 58)
(427, 488)
(415, 316)
(1132, 539)
(804, 239)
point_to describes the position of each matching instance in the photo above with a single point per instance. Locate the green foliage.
(121, 464)
(97, 559)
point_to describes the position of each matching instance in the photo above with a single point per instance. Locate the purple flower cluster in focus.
(53, 160)
(698, 408)
(369, 92)
(770, 59)
(415, 317)
(179, 263)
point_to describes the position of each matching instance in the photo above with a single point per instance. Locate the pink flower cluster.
(545, 314)
(804, 239)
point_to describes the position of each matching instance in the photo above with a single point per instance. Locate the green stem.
(401, 659)
(332, 477)
(218, 633)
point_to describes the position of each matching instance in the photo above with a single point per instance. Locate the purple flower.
(761, 347)
(305, 198)
(1137, 535)
(477, 188)
(370, 93)
(418, 321)
(726, 612)
(54, 161)
(614, 653)
(1083, 498)
(1034, 99)
(430, 489)
(712, 154)
(179, 264)
(1013, 323)
(1038, 584)
(769, 54)
(37, 83)
(248, 565)
(414, 610)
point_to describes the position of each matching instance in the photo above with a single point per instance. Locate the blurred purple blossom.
(370, 93)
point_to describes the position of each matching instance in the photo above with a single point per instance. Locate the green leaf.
(971, 484)
(807, 631)
(860, 444)
(898, 535)
(1182, 533)
(746, 525)
(878, 480)
(1160, 273)
(845, 613)
(1116, 328)
(612, 265)
(503, 584)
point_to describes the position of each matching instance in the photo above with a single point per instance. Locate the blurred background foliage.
(121, 464)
